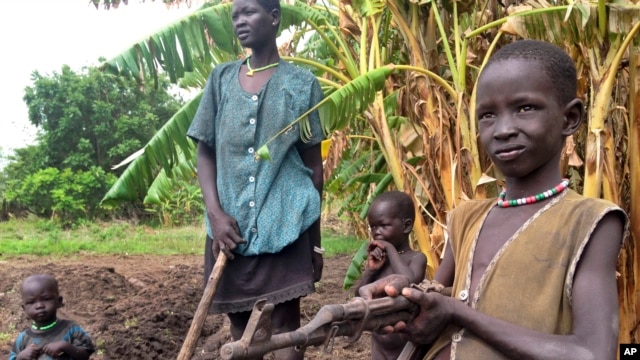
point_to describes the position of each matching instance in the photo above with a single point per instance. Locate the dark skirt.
(279, 277)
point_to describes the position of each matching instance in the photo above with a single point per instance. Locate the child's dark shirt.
(65, 330)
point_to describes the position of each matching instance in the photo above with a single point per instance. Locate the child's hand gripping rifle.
(349, 320)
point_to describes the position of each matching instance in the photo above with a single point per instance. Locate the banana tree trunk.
(598, 136)
(600, 159)
(600, 152)
(628, 289)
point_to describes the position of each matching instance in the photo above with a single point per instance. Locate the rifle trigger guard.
(359, 328)
(330, 340)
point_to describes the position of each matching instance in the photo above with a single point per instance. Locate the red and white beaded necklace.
(532, 199)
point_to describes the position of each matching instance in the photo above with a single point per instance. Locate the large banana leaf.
(178, 47)
(162, 186)
(350, 169)
(355, 266)
(337, 109)
(204, 37)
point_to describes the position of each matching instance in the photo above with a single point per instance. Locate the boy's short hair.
(555, 63)
(402, 202)
(44, 280)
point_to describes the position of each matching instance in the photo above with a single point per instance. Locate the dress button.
(463, 295)
(250, 150)
(456, 337)
(252, 179)
(252, 204)
(253, 230)
(254, 97)
(252, 121)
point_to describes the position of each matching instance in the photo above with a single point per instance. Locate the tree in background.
(91, 118)
(88, 121)
(17, 167)
(23, 162)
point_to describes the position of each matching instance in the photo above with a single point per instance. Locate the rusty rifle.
(348, 320)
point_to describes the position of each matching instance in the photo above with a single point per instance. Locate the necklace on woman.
(252, 71)
(532, 199)
(45, 327)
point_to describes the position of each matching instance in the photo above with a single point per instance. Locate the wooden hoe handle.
(203, 309)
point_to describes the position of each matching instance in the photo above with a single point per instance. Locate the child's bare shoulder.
(410, 254)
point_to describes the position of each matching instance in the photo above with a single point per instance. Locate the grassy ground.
(42, 237)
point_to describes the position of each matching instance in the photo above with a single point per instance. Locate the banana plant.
(353, 80)
(437, 50)
(630, 275)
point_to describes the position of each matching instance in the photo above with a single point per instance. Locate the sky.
(43, 35)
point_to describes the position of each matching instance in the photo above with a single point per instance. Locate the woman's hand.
(226, 234)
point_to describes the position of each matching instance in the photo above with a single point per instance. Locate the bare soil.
(141, 307)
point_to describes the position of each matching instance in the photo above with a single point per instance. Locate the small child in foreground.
(390, 219)
(48, 337)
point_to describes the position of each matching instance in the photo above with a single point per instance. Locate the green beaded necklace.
(43, 328)
(252, 71)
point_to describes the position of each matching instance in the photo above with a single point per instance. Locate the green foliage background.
(87, 121)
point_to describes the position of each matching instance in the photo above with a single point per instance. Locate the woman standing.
(264, 215)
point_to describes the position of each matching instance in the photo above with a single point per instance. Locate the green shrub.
(66, 196)
(185, 207)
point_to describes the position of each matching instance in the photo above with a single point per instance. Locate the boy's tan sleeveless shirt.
(529, 282)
